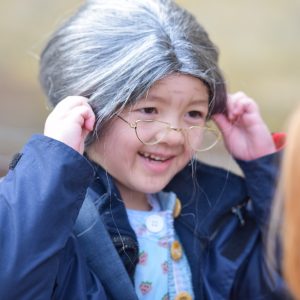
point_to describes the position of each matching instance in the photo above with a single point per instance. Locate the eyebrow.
(157, 97)
(199, 101)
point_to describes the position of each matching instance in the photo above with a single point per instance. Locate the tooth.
(153, 157)
(157, 158)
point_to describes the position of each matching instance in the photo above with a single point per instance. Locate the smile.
(154, 157)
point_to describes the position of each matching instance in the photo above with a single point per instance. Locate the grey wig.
(113, 51)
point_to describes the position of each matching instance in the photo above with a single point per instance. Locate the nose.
(174, 136)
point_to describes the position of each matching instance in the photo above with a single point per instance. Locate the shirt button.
(176, 250)
(183, 296)
(177, 208)
(155, 223)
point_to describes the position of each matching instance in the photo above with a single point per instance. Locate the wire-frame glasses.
(151, 132)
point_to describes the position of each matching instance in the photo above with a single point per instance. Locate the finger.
(70, 102)
(90, 120)
(222, 122)
(243, 103)
(232, 107)
(240, 104)
(84, 116)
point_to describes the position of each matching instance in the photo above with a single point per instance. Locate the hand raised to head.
(70, 122)
(245, 134)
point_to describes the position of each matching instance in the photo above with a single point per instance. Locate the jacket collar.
(207, 194)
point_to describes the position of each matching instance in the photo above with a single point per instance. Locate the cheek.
(185, 159)
(120, 147)
(189, 154)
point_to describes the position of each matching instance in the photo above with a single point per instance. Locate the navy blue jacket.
(220, 226)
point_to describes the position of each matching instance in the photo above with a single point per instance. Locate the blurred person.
(110, 201)
(286, 212)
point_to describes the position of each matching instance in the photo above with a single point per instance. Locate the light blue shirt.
(157, 275)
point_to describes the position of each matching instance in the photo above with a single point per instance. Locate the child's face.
(180, 100)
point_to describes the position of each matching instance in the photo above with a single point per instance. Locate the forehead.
(179, 86)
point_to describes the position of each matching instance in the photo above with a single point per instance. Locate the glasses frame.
(134, 126)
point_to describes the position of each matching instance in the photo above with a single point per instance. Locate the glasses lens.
(202, 138)
(151, 132)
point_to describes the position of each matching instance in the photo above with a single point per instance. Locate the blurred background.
(259, 44)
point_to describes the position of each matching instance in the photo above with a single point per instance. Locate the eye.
(148, 110)
(195, 114)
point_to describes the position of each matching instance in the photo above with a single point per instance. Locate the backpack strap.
(101, 255)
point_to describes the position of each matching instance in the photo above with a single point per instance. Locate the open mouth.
(154, 157)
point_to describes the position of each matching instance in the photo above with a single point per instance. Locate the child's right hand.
(70, 122)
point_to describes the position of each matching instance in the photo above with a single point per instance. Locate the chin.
(153, 188)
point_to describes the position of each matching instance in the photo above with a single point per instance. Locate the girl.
(146, 81)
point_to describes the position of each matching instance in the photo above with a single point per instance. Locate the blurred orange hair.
(291, 206)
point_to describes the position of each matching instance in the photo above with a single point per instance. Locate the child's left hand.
(245, 134)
